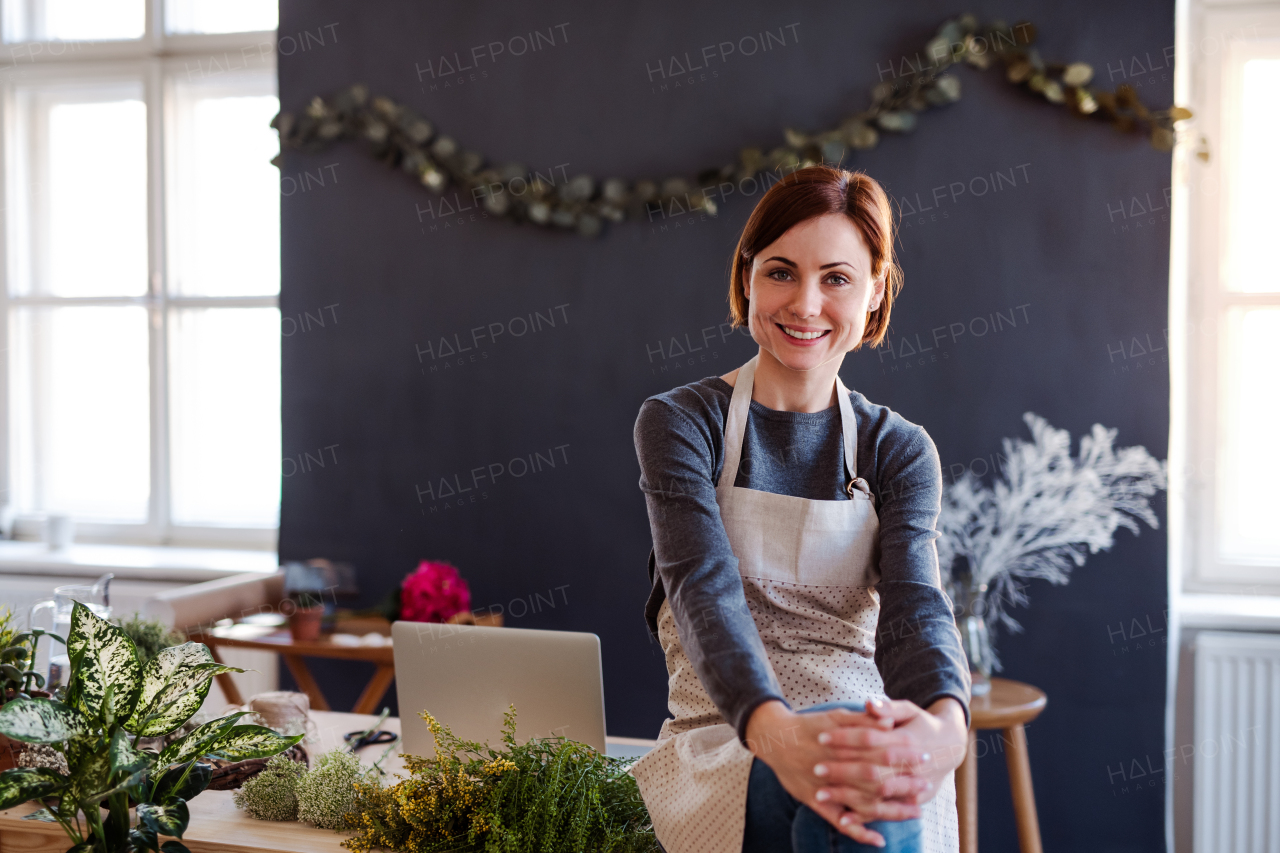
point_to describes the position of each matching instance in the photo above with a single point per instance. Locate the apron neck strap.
(849, 426)
(735, 425)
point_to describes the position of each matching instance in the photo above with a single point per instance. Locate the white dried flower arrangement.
(1047, 513)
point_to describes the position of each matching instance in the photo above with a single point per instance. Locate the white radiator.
(1237, 748)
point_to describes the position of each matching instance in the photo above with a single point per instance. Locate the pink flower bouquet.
(433, 593)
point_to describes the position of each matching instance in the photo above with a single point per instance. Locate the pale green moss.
(271, 795)
(327, 793)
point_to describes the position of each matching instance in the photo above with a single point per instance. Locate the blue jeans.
(778, 822)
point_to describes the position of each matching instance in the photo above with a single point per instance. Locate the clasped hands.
(854, 768)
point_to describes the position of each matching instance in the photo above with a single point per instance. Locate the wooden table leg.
(229, 689)
(1024, 799)
(302, 675)
(375, 689)
(967, 797)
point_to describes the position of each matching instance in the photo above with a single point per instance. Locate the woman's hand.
(849, 784)
(939, 736)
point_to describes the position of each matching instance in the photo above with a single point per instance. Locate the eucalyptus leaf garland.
(401, 138)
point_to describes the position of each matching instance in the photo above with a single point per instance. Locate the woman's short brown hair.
(817, 191)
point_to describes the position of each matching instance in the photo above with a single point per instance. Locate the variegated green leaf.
(90, 769)
(165, 820)
(138, 777)
(192, 744)
(121, 755)
(142, 838)
(42, 815)
(105, 665)
(241, 742)
(39, 720)
(83, 744)
(28, 783)
(167, 788)
(158, 674)
(234, 743)
(174, 686)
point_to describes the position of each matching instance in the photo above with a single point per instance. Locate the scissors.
(371, 735)
(358, 740)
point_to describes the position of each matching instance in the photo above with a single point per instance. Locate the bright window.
(1232, 327)
(225, 192)
(142, 272)
(73, 20)
(1249, 458)
(81, 401)
(224, 415)
(220, 16)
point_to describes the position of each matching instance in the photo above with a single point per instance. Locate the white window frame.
(1213, 33)
(156, 59)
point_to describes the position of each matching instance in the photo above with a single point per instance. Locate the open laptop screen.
(466, 676)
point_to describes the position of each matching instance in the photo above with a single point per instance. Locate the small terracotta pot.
(9, 753)
(304, 624)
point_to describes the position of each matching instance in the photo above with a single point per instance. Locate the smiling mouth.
(802, 336)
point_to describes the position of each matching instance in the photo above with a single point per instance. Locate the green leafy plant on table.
(150, 636)
(18, 676)
(550, 795)
(7, 629)
(112, 706)
(17, 659)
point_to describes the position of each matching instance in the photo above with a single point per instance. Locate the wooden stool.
(1008, 706)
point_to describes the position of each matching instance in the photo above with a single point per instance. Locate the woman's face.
(810, 292)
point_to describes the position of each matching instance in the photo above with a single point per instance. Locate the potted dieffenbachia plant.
(114, 706)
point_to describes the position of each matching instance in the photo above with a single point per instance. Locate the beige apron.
(808, 569)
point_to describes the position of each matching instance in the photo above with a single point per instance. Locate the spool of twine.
(282, 710)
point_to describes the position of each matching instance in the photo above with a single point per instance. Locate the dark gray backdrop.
(1073, 247)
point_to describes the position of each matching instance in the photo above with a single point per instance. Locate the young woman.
(795, 575)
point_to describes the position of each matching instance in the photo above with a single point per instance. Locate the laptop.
(466, 676)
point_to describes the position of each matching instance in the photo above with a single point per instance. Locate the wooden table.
(217, 826)
(294, 652)
(1008, 707)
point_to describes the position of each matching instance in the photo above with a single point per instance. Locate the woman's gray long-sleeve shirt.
(679, 437)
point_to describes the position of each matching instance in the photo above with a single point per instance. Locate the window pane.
(1249, 455)
(81, 438)
(225, 199)
(1255, 216)
(225, 416)
(97, 226)
(78, 181)
(73, 20)
(219, 16)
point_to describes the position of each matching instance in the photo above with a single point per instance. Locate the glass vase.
(974, 635)
(977, 648)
